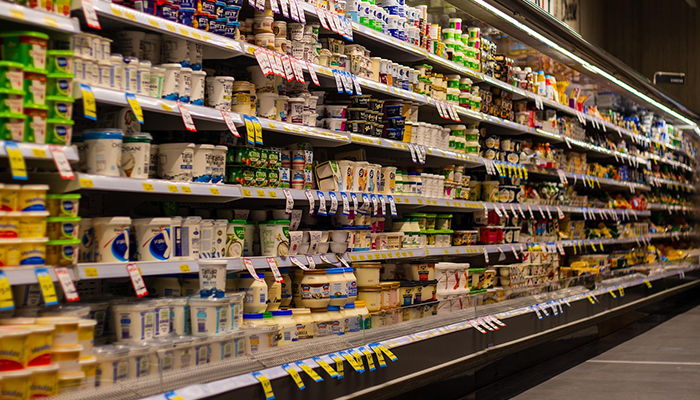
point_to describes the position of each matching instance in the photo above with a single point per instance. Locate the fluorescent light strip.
(585, 64)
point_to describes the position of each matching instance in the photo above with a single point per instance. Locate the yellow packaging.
(9, 254)
(62, 252)
(13, 344)
(8, 197)
(31, 227)
(43, 381)
(32, 253)
(32, 198)
(63, 205)
(14, 385)
(70, 382)
(9, 227)
(66, 330)
(86, 337)
(89, 367)
(67, 358)
(39, 344)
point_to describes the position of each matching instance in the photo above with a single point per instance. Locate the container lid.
(334, 271)
(141, 137)
(249, 276)
(12, 115)
(59, 53)
(277, 222)
(360, 303)
(63, 196)
(253, 316)
(84, 323)
(237, 222)
(349, 269)
(63, 242)
(18, 321)
(73, 349)
(367, 265)
(25, 33)
(333, 308)
(17, 373)
(13, 331)
(281, 313)
(477, 270)
(112, 220)
(315, 272)
(349, 306)
(93, 359)
(444, 215)
(12, 91)
(47, 368)
(57, 320)
(34, 187)
(78, 376)
(103, 134)
(11, 64)
(369, 289)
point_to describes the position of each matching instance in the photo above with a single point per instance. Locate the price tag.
(346, 203)
(172, 396)
(384, 350)
(365, 204)
(355, 207)
(368, 355)
(291, 371)
(229, 123)
(334, 203)
(17, 165)
(310, 197)
(321, 13)
(298, 263)
(266, 385)
(272, 263)
(356, 84)
(537, 311)
(382, 201)
(288, 201)
(6, 301)
(302, 14)
(186, 117)
(263, 61)
(646, 282)
(46, 285)
(453, 113)
(248, 264)
(250, 129)
(486, 255)
(137, 280)
(441, 110)
(325, 367)
(288, 69)
(338, 81)
(136, 107)
(413, 152)
(562, 177)
(298, 70)
(342, 260)
(284, 7)
(89, 104)
(338, 364)
(67, 284)
(311, 261)
(347, 81)
(62, 164)
(312, 72)
(258, 130)
(621, 291)
(476, 326)
(90, 14)
(351, 360)
(560, 213)
(392, 205)
(375, 205)
(321, 203)
(309, 371)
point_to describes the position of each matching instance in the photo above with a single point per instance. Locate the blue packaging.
(231, 13)
(217, 26)
(185, 16)
(219, 7)
(231, 29)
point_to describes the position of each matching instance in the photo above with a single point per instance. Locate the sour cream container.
(136, 155)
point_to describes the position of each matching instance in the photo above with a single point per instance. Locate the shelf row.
(221, 47)
(87, 271)
(46, 21)
(672, 208)
(38, 151)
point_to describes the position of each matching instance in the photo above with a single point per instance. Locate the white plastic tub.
(153, 239)
(175, 161)
(134, 322)
(209, 316)
(111, 239)
(212, 274)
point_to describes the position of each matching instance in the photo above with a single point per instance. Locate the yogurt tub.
(235, 238)
(171, 79)
(111, 236)
(56, 84)
(295, 113)
(63, 205)
(183, 352)
(139, 360)
(161, 355)
(67, 358)
(136, 153)
(153, 239)
(15, 383)
(201, 165)
(60, 61)
(43, 382)
(274, 238)
(220, 92)
(255, 292)
(35, 123)
(112, 365)
(212, 274)
(175, 161)
(104, 148)
(420, 272)
(367, 274)
(62, 252)
(86, 337)
(134, 322)
(236, 312)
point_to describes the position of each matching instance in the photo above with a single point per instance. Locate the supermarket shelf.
(147, 268)
(37, 151)
(26, 275)
(672, 163)
(672, 208)
(602, 150)
(589, 180)
(45, 21)
(671, 184)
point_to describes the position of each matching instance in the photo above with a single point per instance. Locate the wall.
(649, 36)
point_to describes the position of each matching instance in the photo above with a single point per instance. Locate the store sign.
(673, 78)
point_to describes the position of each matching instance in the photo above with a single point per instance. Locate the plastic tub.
(112, 365)
(111, 239)
(212, 274)
(274, 238)
(62, 252)
(315, 289)
(420, 272)
(235, 238)
(175, 161)
(67, 358)
(65, 330)
(13, 348)
(371, 296)
(11, 75)
(255, 291)
(15, 383)
(25, 47)
(103, 148)
(63, 205)
(367, 274)
(44, 381)
(134, 322)
(136, 155)
(30, 227)
(153, 239)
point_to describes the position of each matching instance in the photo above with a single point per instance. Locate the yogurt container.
(111, 239)
(202, 163)
(235, 238)
(112, 365)
(134, 322)
(11, 75)
(13, 348)
(15, 383)
(136, 155)
(220, 92)
(153, 239)
(212, 274)
(67, 358)
(32, 198)
(209, 316)
(274, 238)
(175, 161)
(104, 148)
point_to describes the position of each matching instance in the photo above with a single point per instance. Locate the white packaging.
(174, 50)
(129, 43)
(164, 312)
(196, 53)
(153, 162)
(171, 79)
(116, 72)
(218, 164)
(184, 87)
(295, 112)
(346, 176)
(218, 237)
(202, 163)
(134, 322)
(155, 88)
(181, 316)
(103, 74)
(219, 91)
(255, 293)
(175, 161)
(210, 316)
(153, 239)
(87, 240)
(191, 238)
(206, 246)
(139, 361)
(103, 149)
(267, 105)
(112, 365)
(131, 79)
(197, 92)
(136, 155)
(212, 274)
(144, 78)
(151, 48)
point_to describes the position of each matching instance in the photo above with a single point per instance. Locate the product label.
(338, 290)
(315, 292)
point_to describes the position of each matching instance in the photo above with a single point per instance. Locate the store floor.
(662, 363)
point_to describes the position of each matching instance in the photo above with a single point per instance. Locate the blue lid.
(103, 134)
(414, 173)
(236, 23)
(220, 2)
(348, 269)
(335, 270)
(253, 316)
(333, 308)
(349, 305)
(280, 313)
(260, 275)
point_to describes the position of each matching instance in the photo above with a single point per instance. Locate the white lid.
(166, 146)
(87, 361)
(71, 376)
(34, 187)
(199, 73)
(171, 66)
(18, 373)
(186, 69)
(152, 221)
(18, 321)
(44, 368)
(204, 146)
(84, 323)
(73, 349)
(11, 331)
(111, 221)
(11, 187)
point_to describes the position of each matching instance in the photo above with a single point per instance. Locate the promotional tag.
(342, 260)
(46, 285)
(272, 263)
(355, 207)
(453, 113)
(274, 6)
(61, 161)
(266, 385)
(276, 63)
(67, 284)
(311, 261)
(186, 117)
(486, 255)
(413, 152)
(321, 203)
(375, 205)
(560, 213)
(386, 351)
(365, 203)
(312, 374)
(17, 165)
(325, 367)
(258, 130)
(6, 301)
(90, 14)
(350, 359)
(370, 360)
(310, 197)
(347, 82)
(321, 14)
(294, 11)
(300, 10)
(537, 311)
(476, 326)
(293, 373)
(288, 70)
(288, 201)
(137, 280)
(263, 61)
(338, 81)
(229, 123)
(284, 7)
(312, 72)
(441, 110)
(89, 104)
(338, 364)
(562, 177)
(346, 203)
(298, 70)
(392, 205)
(325, 259)
(334, 203)
(298, 263)
(248, 264)
(383, 203)
(529, 209)
(356, 84)
(250, 129)
(135, 106)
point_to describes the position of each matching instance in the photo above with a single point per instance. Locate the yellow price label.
(326, 367)
(272, 194)
(362, 257)
(338, 365)
(612, 293)
(309, 371)
(186, 189)
(370, 360)
(135, 106)
(184, 32)
(170, 27)
(39, 153)
(149, 187)
(153, 22)
(130, 15)
(89, 104)
(250, 129)
(246, 193)
(17, 165)
(267, 386)
(196, 35)
(46, 286)
(258, 131)
(295, 375)
(353, 258)
(17, 14)
(185, 268)
(6, 301)
(646, 282)
(165, 107)
(621, 291)
(172, 188)
(261, 193)
(214, 191)
(420, 201)
(91, 272)
(51, 22)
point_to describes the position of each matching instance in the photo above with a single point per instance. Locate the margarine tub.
(39, 344)
(66, 330)
(44, 381)
(67, 358)
(9, 195)
(32, 252)
(62, 252)
(89, 368)
(13, 348)
(70, 382)
(31, 226)
(86, 337)
(63, 205)
(14, 385)
(112, 364)
(32, 198)
(63, 228)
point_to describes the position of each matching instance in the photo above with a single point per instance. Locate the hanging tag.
(441, 110)
(90, 14)
(67, 284)
(284, 7)
(259, 5)
(294, 11)
(392, 205)
(515, 253)
(386, 351)
(332, 25)
(380, 356)
(365, 203)
(496, 321)
(186, 117)
(248, 264)
(486, 255)
(334, 203)
(485, 324)
(258, 130)
(501, 254)
(358, 359)
(370, 360)
(137, 280)
(325, 367)
(590, 299)
(476, 326)
(46, 285)
(309, 371)
(293, 373)
(312, 72)
(355, 207)
(383, 204)
(6, 301)
(338, 364)
(541, 212)
(263, 61)
(520, 210)
(62, 164)
(342, 260)
(560, 213)
(375, 205)
(646, 282)
(311, 261)
(229, 123)
(276, 63)
(321, 203)
(89, 104)
(338, 81)
(288, 201)
(310, 197)
(135, 106)
(302, 14)
(298, 70)
(350, 359)
(272, 263)
(298, 263)
(537, 311)
(250, 129)
(561, 249)
(413, 152)
(325, 259)
(356, 84)
(562, 177)
(288, 70)
(621, 291)
(453, 113)
(529, 209)
(17, 165)
(346, 203)
(347, 81)
(321, 14)
(266, 385)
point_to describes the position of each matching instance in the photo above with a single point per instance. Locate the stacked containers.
(23, 228)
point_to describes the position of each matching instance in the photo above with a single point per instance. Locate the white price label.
(334, 203)
(346, 203)
(383, 203)
(67, 284)
(137, 280)
(288, 201)
(310, 197)
(272, 263)
(321, 203)
(392, 205)
(248, 264)
(312, 72)
(298, 263)
(186, 117)
(311, 261)
(90, 14)
(61, 161)
(228, 119)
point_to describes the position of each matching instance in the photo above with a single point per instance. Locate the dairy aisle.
(337, 198)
